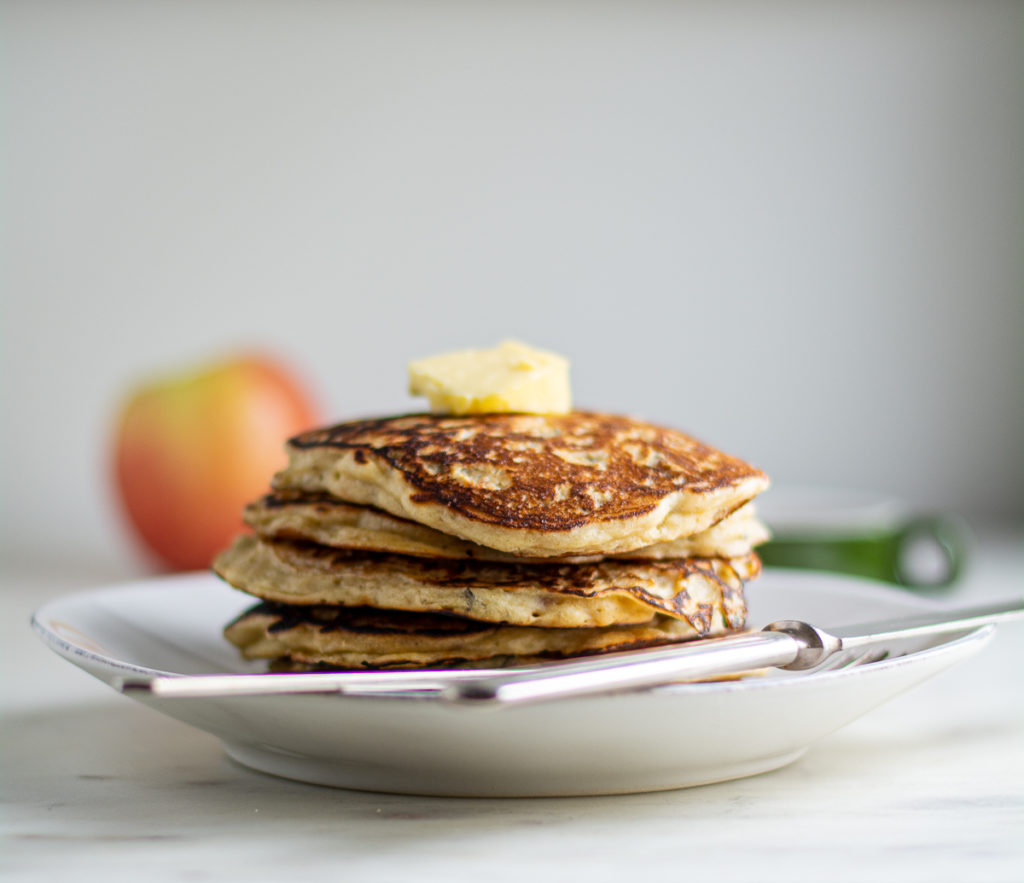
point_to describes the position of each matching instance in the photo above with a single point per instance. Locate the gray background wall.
(791, 228)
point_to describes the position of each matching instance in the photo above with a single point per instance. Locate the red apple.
(192, 450)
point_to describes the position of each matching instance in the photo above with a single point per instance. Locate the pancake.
(323, 519)
(545, 595)
(531, 485)
(346, 638)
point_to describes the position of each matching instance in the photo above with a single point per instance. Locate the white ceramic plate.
(666, 737)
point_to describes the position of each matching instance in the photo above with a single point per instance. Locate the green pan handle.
(920, 552)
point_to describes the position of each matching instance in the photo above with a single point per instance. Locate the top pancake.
(532, 485)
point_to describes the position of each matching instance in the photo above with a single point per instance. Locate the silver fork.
(788, 644)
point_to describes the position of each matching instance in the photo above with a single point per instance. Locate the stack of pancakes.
(494, 540)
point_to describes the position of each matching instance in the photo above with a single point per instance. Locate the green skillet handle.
(921, 552)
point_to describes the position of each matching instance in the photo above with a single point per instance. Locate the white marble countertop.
(928, 787)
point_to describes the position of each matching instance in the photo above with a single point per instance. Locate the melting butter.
(509, 378)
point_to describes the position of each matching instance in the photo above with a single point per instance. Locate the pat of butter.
(510, 378)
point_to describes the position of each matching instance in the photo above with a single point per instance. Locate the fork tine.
(850, 659)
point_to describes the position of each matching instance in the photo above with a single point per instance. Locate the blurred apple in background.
(192, 450)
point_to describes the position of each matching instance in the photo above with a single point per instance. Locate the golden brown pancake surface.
(357, 638)
(545, 595)
(536, 485)
(320, 518)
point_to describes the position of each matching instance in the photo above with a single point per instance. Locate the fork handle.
(636, 668)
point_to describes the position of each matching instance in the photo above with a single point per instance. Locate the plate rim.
(83, 656)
